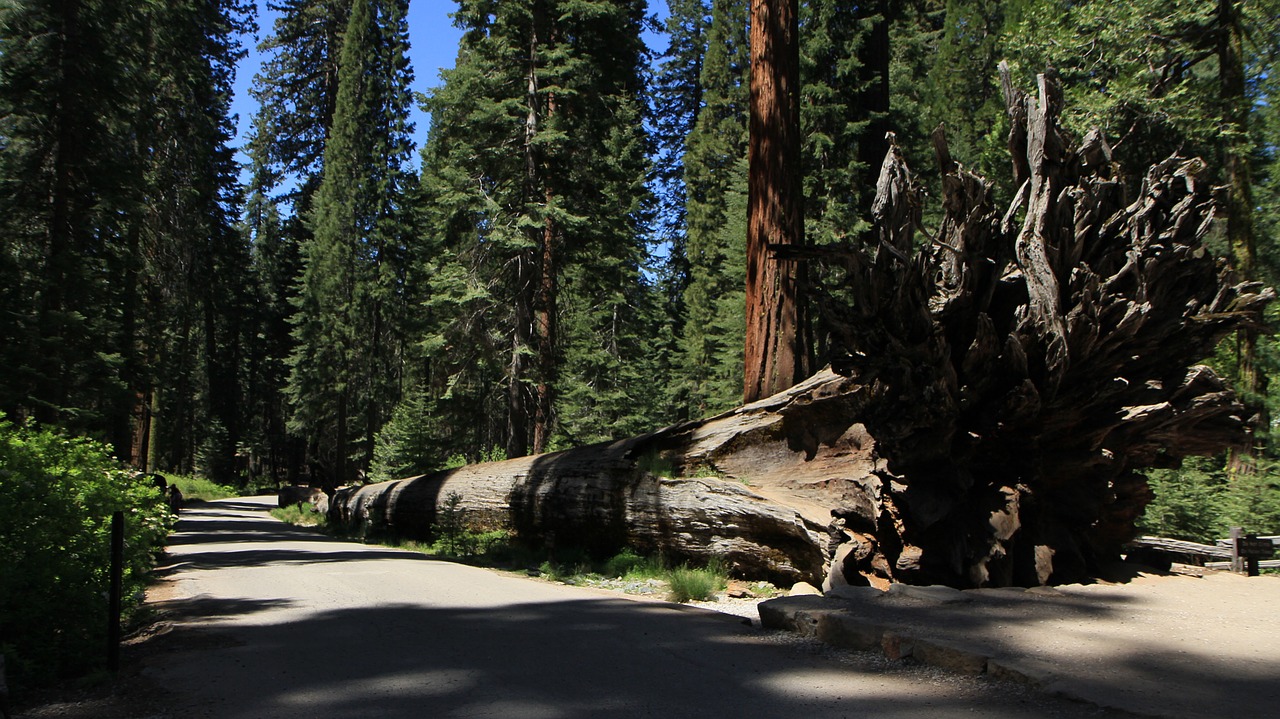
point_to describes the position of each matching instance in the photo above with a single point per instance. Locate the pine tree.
(534, 195)
(715, 167)
(296, 91)
(65, 90)
(119, 203)
(677, 97)
(962, 86)
(351, 311)
(195, 334)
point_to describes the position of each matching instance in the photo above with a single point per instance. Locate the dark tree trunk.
(546, 314)
(776, 352)
(1239, 205)
(873, 76)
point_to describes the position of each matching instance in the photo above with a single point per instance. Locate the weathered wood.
(1178, 546)
(772, 468)
(1024, 364)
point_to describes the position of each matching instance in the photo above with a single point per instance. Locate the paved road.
(274, 621)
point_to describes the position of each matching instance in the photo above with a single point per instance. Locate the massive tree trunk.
(776, 353)
(1015, 372)
(753, 486)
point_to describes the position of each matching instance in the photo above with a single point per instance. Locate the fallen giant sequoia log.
(1015, 372)
(648, 493)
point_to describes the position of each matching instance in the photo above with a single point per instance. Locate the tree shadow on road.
(573, 659)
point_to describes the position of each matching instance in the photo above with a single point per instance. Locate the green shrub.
(1200, 501)
(200, 489)
(627, 564)
(694, 585)
(55, 523)
(301, 515)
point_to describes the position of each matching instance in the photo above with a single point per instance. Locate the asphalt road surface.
(275, 621)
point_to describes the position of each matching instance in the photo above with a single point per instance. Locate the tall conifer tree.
(350, 326)
(120, 197)
(714, 170)
(534, 188)
(296, 90)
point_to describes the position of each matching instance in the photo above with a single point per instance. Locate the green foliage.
(59, 494)
(302, 515)
(408, 444)
(695, 585)
(1253, 501)
(195, 488)
(533, 198)
(123, 273)
(1189, 502)
(493, 454)
(709, 373)
(351, 324)
(450, 527)
(627, 564)
(1201, 502)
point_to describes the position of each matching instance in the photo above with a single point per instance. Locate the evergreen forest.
(562, 261)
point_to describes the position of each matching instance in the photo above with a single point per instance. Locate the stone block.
(949, 656)
(843, 630)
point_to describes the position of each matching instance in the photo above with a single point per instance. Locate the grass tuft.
(301, 515)
(694, 585)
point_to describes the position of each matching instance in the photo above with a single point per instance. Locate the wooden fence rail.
(1239, 553)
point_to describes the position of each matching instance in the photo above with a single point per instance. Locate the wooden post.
(113, 600)
(1237, 564)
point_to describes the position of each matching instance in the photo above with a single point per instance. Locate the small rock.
(855, 593)
(895, 646)
(739, 590)
(800, 589)
(934, 593)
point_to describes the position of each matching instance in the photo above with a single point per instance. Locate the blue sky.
(433, 46)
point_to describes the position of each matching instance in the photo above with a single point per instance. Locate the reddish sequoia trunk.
(776, 345)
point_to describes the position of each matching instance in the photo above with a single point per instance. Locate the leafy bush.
(1189, 502)
(630, 565)
(301, 515)
(694, 585)
(200, 489)
(1200, 502)
(55, 525)
(1254, 500)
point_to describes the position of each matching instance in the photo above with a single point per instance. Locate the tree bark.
(1239, 203)
(1022, 372)
(753, 487)
(776, 352)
